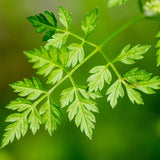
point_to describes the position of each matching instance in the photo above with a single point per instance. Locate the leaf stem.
(77, 36)
(111, 64)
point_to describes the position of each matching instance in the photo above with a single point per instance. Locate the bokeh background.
(128, 132)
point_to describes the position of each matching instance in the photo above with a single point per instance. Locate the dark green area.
(129, 132)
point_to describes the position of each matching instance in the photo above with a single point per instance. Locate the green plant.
(57, 61)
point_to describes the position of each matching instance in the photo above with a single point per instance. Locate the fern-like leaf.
(57, 40)
(80, 108)
(20, 104)
(114, 92)
(44, 23)
(50, 115)
(28, 88)
(133, 95)
(140, 80)
(129, 55)
(90, 22)
(17, 128)
(76, 54)
(65, 17)
(67, 96)
(135, 75)
(19, 123)
(149, 86)
(46, 61)
(35, 120)
(100, 74)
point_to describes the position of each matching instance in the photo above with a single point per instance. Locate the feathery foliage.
(57, 60)
(80, 107)
(129, 55)
(100, 75)
(90, 22)
(46, 22)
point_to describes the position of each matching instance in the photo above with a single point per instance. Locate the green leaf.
(47, 63)
(51, 115)
(112, 3)
(148, 86)
(80, 108)
(34, 120)
(55, 76)
(65, 17)
(76, 54)
(20, 104)
(133, 95)
(63, 55)
(129, 55)
(141, 80)
(44, 23)
(94, 95)
(90, 22)
(57, 40)
(100, 74)
(135, 75)
(28, 88)
(114, 92)
(67, 96)
(19, 123)
(15, 130)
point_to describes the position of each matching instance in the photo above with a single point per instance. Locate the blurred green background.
(128, 132)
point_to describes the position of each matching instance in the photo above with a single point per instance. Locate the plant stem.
(77, 36)
(125, 26)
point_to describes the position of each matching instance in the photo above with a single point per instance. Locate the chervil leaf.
(16, 129)
(80, 108)
(20, 104)
(65, 17)
(55, 76)
(28, 88)
(135, 75)
(129, 55)
(57, 40)
(114, 92)
(44, 23)
(67, 96)
(76, 54)
(148, 86)
(63, 55)
(133, 95)
(100, 74)
(51, 115)
(158, 51)
(141, 80)
(112, 3)
(90, 22)
(47, 63)
(35, 120)
(94, 95)
(19, 121)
